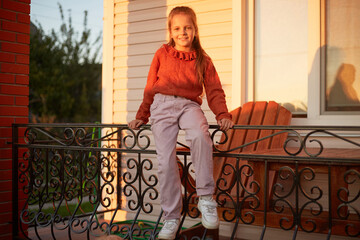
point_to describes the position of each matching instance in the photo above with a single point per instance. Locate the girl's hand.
(135, 124)
(225, 124)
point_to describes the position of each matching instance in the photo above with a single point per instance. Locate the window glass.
(342, 55)
(281, 64)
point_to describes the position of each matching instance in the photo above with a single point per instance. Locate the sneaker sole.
(209, 226)
(169, 237)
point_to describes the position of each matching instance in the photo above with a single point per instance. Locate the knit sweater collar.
(187, 56)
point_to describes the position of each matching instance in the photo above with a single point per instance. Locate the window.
(340, 56)
(294, 52)
(281, 70)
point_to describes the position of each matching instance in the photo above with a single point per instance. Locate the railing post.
(118, 174)
(329, 201)
(297, 184)
(15, 196)
(266, 199)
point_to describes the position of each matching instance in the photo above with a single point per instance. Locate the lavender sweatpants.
(168, 115)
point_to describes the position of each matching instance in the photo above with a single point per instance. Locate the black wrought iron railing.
(92, 180)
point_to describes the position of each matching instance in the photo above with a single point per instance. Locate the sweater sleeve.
(214, 93)
(144, 110)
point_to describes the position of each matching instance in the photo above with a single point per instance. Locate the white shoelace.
(210, 209)
(170, 225)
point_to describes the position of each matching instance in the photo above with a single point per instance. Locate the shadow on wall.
(147, 31)
(297, 107)
(342, 95)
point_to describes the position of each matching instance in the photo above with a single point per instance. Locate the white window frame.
(243, 52)
(243, 64)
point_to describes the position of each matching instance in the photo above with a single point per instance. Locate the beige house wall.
(136, 29)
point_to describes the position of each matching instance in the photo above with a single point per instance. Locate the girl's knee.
(201, 136)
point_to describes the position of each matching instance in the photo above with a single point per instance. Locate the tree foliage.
(65, 74)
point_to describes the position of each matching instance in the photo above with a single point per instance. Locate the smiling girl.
(179, 72)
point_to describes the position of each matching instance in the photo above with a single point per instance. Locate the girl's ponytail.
(200, 63)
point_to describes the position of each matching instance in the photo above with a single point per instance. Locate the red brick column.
(14, 94)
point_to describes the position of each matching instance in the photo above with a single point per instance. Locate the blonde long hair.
(201, 55)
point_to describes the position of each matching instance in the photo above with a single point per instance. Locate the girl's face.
(182, 32)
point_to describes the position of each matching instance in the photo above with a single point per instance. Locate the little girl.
(172, 99)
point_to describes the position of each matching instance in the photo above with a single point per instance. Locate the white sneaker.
(207, 207)
(169, 229)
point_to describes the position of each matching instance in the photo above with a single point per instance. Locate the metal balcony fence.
(81, 180)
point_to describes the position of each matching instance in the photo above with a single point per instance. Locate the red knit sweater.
(172, 72)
